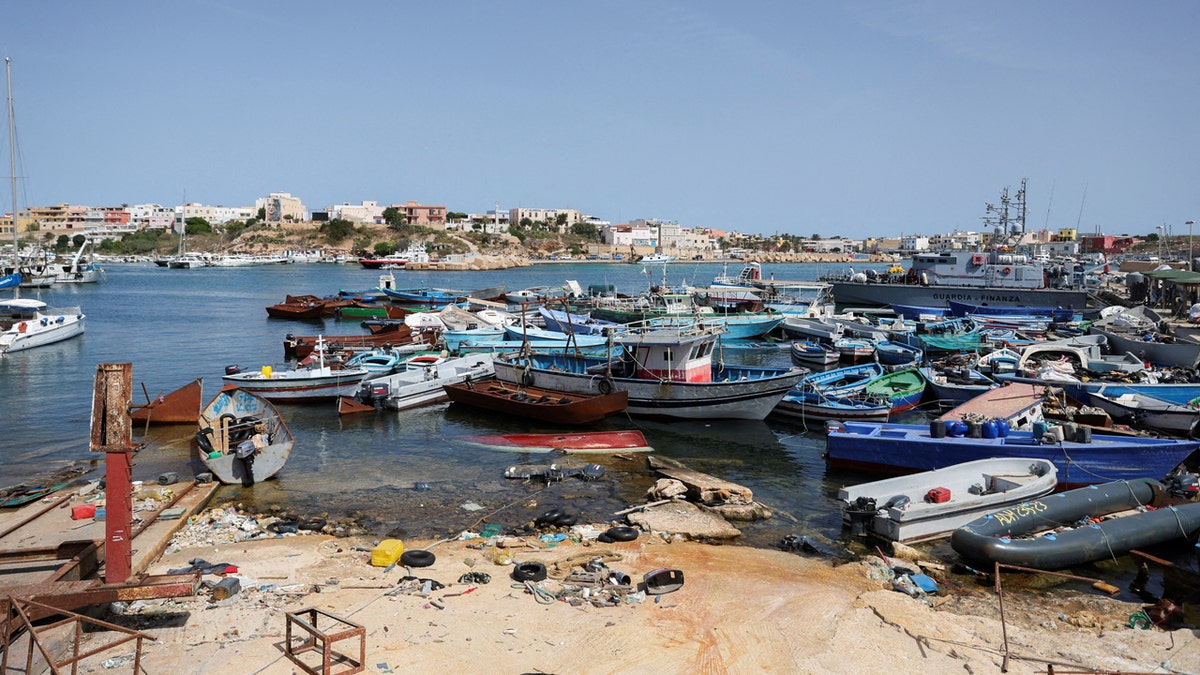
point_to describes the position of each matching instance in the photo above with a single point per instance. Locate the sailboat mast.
(12, 170)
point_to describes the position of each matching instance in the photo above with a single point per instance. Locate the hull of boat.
(975, 489)
(233, 418)
(903, 448)
(996, 537)
(545, 405)
(588, 443)
(299, 385)
(58, 327)
(817, 409)
(856, 294)
(181, 406)
(1163, 353)
(421, 386)
(735, 393)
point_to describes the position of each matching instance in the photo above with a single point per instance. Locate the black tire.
(605, 386)
(529, 571)
(313, 524)
(527, 378)
(622, 533)
(282, 526)
(566, 520)
(417, 558)
(550, 517)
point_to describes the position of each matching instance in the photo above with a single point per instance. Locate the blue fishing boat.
(907, 448)
(454, 339)
(1059, 314)
(891, 353)
(902, 389)
(10, 280)
(842, 381)
(854, 349)
(812, 352)
(424, 296)
(1179, 394)
(915, 313)
(815, 407)
(1108, 520)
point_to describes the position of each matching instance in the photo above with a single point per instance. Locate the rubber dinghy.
(1024, 534)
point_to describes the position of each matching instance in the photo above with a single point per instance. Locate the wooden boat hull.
(235, 417)
(590, 442)
(545, 405)
(994, 537)
(902, 388)
(843, 381)
(812, 353)
(954, 389)
(812, 407)
(975, 488)
(181, 406)
(907, 448)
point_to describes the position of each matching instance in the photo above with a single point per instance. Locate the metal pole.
(1190, 264)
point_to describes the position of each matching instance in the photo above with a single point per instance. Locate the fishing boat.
(420, 382)
(891, 353)
(842, 381)
(996, 277)
(906, 448)
(932, 504)
(589, 442)
(854, 349)
(78, 269)
(1059, 314)
(181, 406)
(566, 322)
(811, 352)
(815, 407)
(656, 258)
(10, 280)
(27, 323)
(952, 386)
(668, 372)
(1085, 525)
(916, 313)
(378, 362)
(548, 406)
(312, 379)
(296, 310)
(424, 296)
(1148, 412)
(902, 389)
(242, 439)
(396, 335)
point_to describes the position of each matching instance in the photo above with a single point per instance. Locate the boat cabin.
(19, 309)
(670, 355)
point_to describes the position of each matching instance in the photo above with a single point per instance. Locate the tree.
(586, 230)
(336, 230)
(61, 243)
(78, 240)
(197, 225)
(394, 218)
(384, 248)
(560, 220)
(262, 213)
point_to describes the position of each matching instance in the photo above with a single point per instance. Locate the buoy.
(1008, 270)
(21, 327)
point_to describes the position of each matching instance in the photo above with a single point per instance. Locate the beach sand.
(740, 610)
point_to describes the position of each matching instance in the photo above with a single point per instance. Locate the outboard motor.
(232, 370)
(860, 512)
(1184, 485)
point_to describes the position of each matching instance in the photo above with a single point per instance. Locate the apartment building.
(280, 206)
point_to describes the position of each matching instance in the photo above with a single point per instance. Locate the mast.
(12, 171)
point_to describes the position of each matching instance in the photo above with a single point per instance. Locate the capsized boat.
(584, 442)
(906, 448)
(181, 406)
(545, 405)
(934, 503)
(242, 439)
(1116, 518)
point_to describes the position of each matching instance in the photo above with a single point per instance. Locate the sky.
(858, 119)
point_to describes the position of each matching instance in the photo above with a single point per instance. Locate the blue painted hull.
(915, 312)
(895, 353)
(907, 448)
(951, 393)
(1179, 394)
(1057, 313)
(843, 381)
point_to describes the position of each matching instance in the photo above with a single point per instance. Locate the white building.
(278, 206)
(545, 216)
(366, 212)
(151, 216)
(215, 215)
(914, 243)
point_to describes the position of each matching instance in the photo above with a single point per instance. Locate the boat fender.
(21, 327)
(417, 558)
(605, 386)
(529, 571)
(527, 377)
(202, 440)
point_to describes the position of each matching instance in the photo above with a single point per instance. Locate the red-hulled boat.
(584, 442)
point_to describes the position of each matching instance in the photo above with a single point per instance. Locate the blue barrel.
(1039, 430)
(989, 429)
(1002, 428)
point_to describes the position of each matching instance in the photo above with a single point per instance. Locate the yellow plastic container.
(388, 552)
(266, 371)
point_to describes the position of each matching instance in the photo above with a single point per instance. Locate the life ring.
(605, 386)
(21, 327)
(1008, 270)
(417, 558)
(529, 571)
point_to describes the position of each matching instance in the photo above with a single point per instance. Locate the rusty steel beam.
(112, 434)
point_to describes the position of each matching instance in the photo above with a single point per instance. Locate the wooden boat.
(1119, 518)
(378, 362)
(584, 442)
(312, 379)
(181, 406)
(545, 405)
(397, 335)
(843, 381)
(566, 322)
(854, 349)
(954, 386)
(812, 352)
(425, 296)
(902, 389)
(1148, 412)
(910, 508)
(906, 448)
(892, 353)
(242, 438)
(366, 310)
(814, 407)
(419, 382)
(667, 372)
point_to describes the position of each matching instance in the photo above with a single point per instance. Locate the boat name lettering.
(977, 297)
(1010, 516)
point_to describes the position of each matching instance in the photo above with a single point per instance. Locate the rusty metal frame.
(326, 639)
(20, 614)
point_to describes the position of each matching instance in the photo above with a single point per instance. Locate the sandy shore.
(740, 610)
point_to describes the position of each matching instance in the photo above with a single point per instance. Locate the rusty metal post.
(112, 434)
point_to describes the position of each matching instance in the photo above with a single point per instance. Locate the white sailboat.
(28, 323)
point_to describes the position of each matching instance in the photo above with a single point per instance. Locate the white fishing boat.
(935, 503)
(313, 379)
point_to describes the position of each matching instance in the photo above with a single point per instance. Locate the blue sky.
(858, 118)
